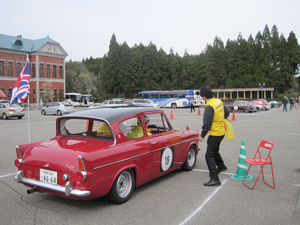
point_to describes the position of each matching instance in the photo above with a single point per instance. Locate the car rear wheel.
(247, 110)
(43, 112)
(122, 188)
(190, 160)
(19, 117)
(59, 113)
(4, 116)
(264, 108)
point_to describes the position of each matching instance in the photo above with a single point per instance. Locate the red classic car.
(244, 106)
(107, 151)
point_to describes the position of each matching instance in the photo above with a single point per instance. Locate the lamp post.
(262, 86)
(88, 90)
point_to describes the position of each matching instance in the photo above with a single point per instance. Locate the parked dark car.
(245, 106)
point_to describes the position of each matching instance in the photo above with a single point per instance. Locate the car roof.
(110, 114)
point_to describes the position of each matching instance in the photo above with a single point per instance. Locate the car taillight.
(18, 163)
(19, 160)
(23, 109)
(11, 110)
(81, 174)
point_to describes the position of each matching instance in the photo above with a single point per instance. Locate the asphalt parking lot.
(179, 197)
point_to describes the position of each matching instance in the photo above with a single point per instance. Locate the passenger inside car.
(138, 131)
(104, 129)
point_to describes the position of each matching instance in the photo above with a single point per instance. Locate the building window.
(54, 71)
(33, 70)
(9, 65)
(41, 70)
(9, 93)
(1, 68)
(18, 69)
(34, 96)
(48, 70)
(55, 95)
(60, 72)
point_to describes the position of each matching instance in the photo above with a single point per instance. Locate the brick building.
(47, 66)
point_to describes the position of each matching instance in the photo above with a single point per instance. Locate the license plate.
(48, 176)
(18, 110)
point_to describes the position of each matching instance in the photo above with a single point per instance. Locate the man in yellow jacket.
(138, 131)
(213, 123)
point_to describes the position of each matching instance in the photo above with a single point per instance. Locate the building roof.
(18, 43)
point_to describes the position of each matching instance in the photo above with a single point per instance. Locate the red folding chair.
(258, 160)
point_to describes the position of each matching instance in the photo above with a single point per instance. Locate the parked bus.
(77, 99)
(177, 98)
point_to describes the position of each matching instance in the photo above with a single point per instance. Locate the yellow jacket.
(138, 132)
(217, 127)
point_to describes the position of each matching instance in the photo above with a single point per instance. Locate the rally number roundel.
(166, 159)
(235, 107)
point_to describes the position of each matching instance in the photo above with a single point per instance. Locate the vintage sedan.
(244, 106)
(260, 104)
(106, 152)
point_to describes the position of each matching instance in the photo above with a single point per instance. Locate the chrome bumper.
(68, 189)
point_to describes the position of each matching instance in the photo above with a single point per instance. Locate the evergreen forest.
(124, 71)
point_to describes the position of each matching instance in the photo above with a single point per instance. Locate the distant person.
(192, 105)
(296, 103)
(284, 104)
(291, 103)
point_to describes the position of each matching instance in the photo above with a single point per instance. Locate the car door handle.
(153, 143)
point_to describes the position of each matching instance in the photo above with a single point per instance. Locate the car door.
(165, 146)
(49, 108)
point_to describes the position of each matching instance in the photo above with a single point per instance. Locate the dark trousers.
(192, 108)
(213, 158)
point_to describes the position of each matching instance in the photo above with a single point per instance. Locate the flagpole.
(28, 119)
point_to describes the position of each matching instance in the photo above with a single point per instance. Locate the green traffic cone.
(242, 166)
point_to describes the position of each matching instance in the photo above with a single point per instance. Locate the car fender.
(121, 169)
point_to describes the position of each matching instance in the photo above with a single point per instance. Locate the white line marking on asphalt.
(207, 172)
(8, 175)
(202, 205)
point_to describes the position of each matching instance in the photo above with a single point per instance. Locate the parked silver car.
(57, 108)
(146, 102)
(14, 110)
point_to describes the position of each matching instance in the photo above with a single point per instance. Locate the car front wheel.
(190, 160)
(264, 108)
(122, 188)
(59, 113)
(247, 110)
(43, 112)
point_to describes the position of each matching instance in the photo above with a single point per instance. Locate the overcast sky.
(84, 28)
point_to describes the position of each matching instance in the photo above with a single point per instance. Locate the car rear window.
(85, 128)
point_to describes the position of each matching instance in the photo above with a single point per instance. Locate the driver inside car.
(138, 132)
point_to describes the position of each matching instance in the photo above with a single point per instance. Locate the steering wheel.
(154, 126)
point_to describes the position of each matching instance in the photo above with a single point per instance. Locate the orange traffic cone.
(233, 116)
(277, 106)
(175, 106)
(171, 117)
(199, 113)
(165, 106)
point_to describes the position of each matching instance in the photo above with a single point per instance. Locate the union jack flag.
(22, 87)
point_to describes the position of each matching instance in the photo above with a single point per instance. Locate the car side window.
(101, 129)
(158, 123)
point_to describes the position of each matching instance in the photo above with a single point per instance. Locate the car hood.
(61, 153)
